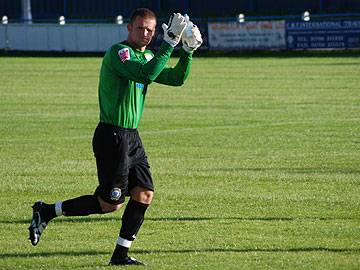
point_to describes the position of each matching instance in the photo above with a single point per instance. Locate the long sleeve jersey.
(125, 75)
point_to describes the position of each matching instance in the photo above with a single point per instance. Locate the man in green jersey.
(123, 169)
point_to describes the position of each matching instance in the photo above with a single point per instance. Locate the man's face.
(141, 31)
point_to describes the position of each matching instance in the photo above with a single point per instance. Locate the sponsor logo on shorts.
(124, 54)
(115, 194)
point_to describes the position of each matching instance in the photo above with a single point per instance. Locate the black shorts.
(121, 162)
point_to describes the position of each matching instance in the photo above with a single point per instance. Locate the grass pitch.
(256, 163)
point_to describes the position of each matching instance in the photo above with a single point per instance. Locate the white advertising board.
(248, 35)
(67, 38)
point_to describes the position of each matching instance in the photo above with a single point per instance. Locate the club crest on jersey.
(139, 86)
(115, 194)
(148, 56)
(124, 54)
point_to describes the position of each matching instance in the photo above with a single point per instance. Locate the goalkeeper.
(123, 169)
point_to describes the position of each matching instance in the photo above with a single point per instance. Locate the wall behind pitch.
(66, 38)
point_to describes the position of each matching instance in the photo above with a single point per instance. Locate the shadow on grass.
(247, 250)
(321, 170)
(51, 254)
(100, 218)
(180, 251)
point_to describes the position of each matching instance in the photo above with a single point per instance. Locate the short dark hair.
(142, 12)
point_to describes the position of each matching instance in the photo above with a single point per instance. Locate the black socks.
(132, 220)
(82, 206)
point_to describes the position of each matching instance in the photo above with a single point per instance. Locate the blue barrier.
(341, 34)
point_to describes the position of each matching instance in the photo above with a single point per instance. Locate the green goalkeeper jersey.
(125, 75)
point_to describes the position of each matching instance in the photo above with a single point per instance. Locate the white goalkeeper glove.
(191, 37)
(174, 29)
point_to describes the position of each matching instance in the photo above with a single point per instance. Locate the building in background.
(106, 11)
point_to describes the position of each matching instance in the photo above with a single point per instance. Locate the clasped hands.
(181, 28)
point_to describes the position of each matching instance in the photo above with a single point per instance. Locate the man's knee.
(142, 195)
(108, 207)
